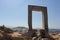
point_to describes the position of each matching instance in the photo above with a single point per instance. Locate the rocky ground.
(8, 34)
(55, 36)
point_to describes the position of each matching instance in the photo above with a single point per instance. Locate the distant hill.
(20, 29)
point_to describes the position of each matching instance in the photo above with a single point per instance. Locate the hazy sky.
(15, 13)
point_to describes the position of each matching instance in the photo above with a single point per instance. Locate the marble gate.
(44, 17)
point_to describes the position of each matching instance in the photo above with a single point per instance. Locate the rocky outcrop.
(8, 34)
(5, 29)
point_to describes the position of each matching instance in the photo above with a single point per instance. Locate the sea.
(54, 30)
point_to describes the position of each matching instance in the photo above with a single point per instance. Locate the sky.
(14, 13)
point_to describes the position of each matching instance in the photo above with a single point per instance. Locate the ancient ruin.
(44, 18)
